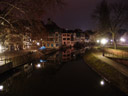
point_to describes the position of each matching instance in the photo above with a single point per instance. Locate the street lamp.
(0, 49)
(98, 41)
(38, 43)
(122, 40)
(103, 42)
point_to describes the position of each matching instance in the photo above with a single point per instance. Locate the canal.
(61, 74)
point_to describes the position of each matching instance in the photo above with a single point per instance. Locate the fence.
(115, 53)
(18, 60)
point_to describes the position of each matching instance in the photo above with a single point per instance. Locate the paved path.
(121, 68)
(2, 63)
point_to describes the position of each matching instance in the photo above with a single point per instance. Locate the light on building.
(38, 43)
(111, 40)
(1, 48)
(98, 41)
(122, 40)
(104, 41)
(28, 46)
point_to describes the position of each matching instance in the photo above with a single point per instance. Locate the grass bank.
(107, 71)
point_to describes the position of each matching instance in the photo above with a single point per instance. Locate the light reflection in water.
(53, 60)
(1, 87)
(102, 82)
(41, 61)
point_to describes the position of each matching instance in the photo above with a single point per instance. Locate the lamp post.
(103, 42)
(123, 40)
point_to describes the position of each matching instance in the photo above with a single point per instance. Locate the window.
(56, 34)
(51, 45)
(50, 39)
(64, 38)
(64, 34)
(48, 45)
(57, 45)
(68, 42)
(68, 35)
(68, 38)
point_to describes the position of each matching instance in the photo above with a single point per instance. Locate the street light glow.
(38, 43)
(98, 41)
(104, 41)
(122, 40)
(1, 48)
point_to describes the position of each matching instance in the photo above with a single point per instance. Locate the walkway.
(2, 63)
(121, 68)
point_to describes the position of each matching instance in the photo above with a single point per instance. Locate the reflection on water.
(46, 67)
(102, 82)
(1, 87)
(26, 70)
(22, 72)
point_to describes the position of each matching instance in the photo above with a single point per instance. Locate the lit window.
(51, 45)
(57, 45)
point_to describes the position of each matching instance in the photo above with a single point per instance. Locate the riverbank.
(19, 60)
(107, 71)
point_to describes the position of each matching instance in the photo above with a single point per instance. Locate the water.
(62, 74)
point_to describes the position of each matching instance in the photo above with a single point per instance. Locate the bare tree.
(11, 11)
(112, 17)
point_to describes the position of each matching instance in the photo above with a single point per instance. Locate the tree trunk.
(114, 41)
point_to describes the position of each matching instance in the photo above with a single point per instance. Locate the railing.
(115, 53)
(17, 60)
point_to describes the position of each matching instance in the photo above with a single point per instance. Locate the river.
(61, 74)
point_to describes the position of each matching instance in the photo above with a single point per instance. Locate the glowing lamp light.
(104, 41)
(1, 87)
(122, 40)
(1, 48)
(98, 41)
(102, 83)
(38, 66)
(38, 43)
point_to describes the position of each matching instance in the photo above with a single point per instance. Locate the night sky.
(76, 14)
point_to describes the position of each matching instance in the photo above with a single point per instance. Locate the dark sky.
(76, 14)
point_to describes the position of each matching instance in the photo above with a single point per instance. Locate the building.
(53, 39)
(27, 41)
(68, 38)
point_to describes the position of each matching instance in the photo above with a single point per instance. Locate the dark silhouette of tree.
(102, 14)
(111, 17)
(12, 12)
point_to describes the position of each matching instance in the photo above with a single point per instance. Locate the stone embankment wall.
(19, 60)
